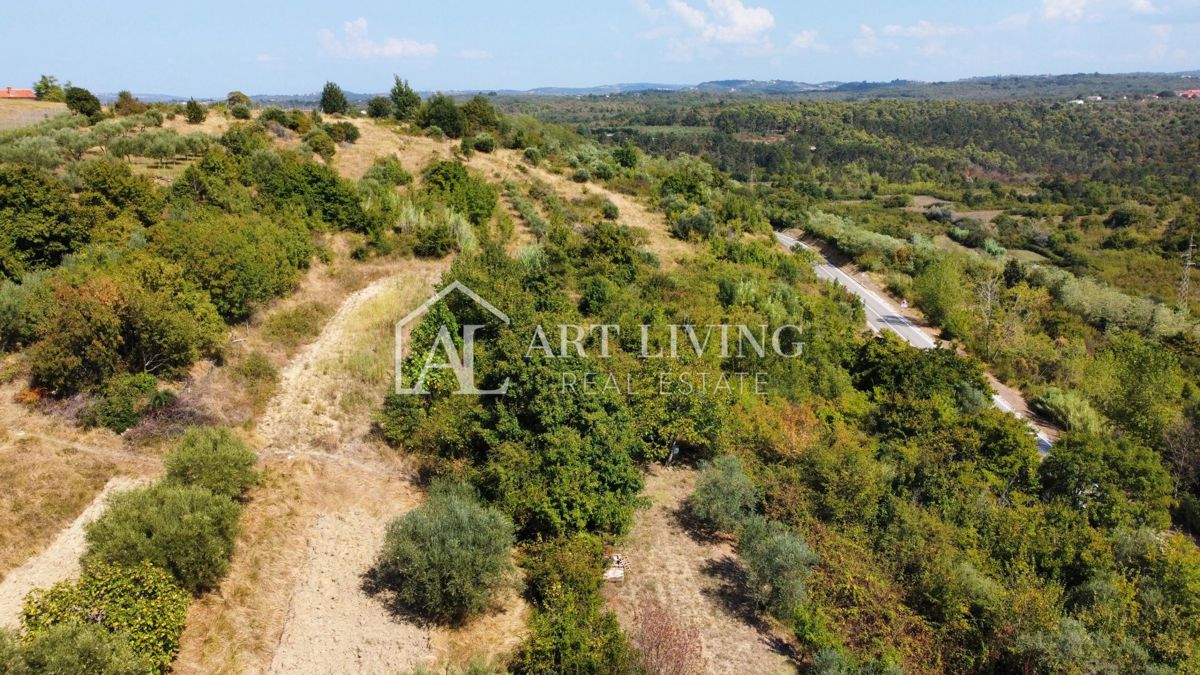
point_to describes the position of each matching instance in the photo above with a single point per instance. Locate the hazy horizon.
(152, 47)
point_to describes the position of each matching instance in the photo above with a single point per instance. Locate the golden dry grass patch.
(43, 487)
(17, 113)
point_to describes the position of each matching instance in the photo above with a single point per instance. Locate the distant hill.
(986, 87)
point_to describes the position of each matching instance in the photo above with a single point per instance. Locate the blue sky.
(207, 48)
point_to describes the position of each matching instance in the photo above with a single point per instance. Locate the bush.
(574, 562)
(485, 143)
(240, 111)
(122, 401)
(140, 603)
(389, 171)
(724, 497)
(533, 156)
(213, 458)
(1068, 410)
(71, 648)
(379, 107)
(442, 112)
(447, 559)
(343, 132)
(581, 175)
(239, 261)
(186, 530)
(450, 183)
(609, 210)
(777, 564)
(574, 633)
(194, 112)
(321, 143)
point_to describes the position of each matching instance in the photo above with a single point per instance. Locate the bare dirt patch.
(697, 581)
(332, 626)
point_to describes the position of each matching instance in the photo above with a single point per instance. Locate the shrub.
(140, 603)
(213, 458)
(581, 175)
(379, 107)
(777, 564)
(194, 112)
(1068, 410)
(450, 183)
(122, 401)
(274, 114)
(343, 132)
(433, 239)
(485, 143)
(574, 633)
(71, 648)
(724, 497)
(239, 261)
(448, 558)
(533, 156)
(389, 171)
(573, 562)
(128, 104)
(609, 210)
(240, 111)
(321, 143)
(186, 530)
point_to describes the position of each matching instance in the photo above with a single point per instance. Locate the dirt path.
(308, 414)
(697, 581)
(332, 626)
(57, 562)
(293, 600)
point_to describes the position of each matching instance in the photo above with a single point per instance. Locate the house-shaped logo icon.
(463, 365)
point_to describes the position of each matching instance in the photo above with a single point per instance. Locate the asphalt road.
(883, 313)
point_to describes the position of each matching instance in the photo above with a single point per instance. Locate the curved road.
(882, 313)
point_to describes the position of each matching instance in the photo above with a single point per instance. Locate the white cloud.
(1143, 7)
(807, 40)
(355, 43)
(725, 22)
(474, 54)
(924, 30)
(265, 58)
(868, 42)
(1071, 10)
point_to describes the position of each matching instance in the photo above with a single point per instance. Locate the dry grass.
(15, 114)
(215, 124)
(42, 488)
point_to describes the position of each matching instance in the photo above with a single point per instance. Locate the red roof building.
(9, 92)
(1189, 93)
